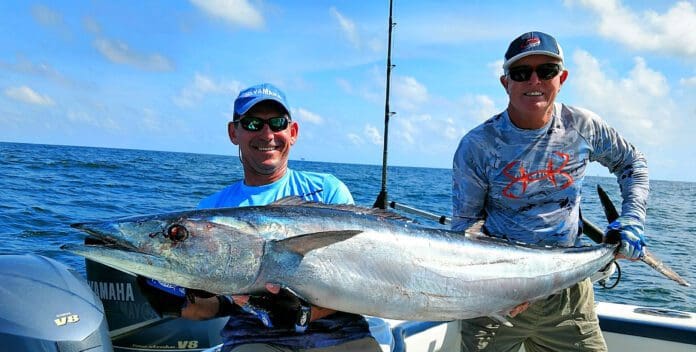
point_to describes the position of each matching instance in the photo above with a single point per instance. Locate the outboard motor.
(135, 326)
(47, 306)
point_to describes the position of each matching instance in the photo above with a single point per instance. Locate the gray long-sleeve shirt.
(527, 184)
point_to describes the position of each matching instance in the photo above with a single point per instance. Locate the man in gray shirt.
(522, 172)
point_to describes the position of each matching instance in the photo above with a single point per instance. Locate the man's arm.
(202, 309)
(631, 170)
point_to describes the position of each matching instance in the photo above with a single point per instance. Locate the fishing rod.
(381, 201)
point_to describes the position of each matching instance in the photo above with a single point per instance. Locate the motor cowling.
(47, 306)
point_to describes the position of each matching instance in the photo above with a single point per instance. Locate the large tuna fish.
(346, 258)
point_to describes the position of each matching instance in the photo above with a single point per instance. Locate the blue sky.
(162, 75)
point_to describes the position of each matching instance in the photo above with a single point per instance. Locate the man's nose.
(534, 78)
(266, 130)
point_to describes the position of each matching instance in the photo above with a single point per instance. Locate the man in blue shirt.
(522, 172)
(263, 129)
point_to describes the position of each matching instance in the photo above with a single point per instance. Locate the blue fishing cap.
(251, 96)
(532, 43)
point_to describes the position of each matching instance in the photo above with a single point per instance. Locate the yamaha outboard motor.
(135, 326)
(47, 306)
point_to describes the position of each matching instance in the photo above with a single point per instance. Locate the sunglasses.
(254, 124)
(524, 73)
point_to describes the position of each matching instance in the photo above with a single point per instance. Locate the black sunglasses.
(254, 124)
(524, 73)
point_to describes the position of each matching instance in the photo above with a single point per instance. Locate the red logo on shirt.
(526, 178)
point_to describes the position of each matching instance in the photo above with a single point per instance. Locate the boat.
(625, 328)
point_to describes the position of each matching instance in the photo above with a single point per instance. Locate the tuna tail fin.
(612, 214)
(306, 243)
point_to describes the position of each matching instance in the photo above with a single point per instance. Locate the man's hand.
(165, 299)
(168, 300)
(632, 241)
(281, 309)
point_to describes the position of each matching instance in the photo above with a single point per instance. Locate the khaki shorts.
(565, 321)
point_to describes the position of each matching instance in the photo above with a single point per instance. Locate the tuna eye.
(177, 233)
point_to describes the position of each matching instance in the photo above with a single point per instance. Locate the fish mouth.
(99, 236)
(104, 245)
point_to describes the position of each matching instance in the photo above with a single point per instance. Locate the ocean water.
(43, 189)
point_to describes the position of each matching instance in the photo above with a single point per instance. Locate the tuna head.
(187, 249)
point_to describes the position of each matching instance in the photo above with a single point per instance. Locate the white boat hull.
(625, 328)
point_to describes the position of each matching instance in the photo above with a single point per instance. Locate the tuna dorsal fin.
(299, 201)
(303, 244)
(290, 200)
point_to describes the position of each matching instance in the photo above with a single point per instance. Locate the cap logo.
(530, 43)
(260, 91)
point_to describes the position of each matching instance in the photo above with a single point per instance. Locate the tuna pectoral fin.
(303, 244)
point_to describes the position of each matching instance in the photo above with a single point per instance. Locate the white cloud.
(407, 93)
(28, 95)
(24, 65)
(91, 25)
(150, 121)
(46, 16)
(450, 131)
(479, 107)
(307, 116)
(355, 139)
(672, 32)
(373, 135)
(235, 12)
(638, 106)
(345, 85)
(410, 128)
(203, 86)
(376, 44)
(83, 118)
(689, 82)
(347, 26)
(497, 68)
(120, 53)
(427, 133)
